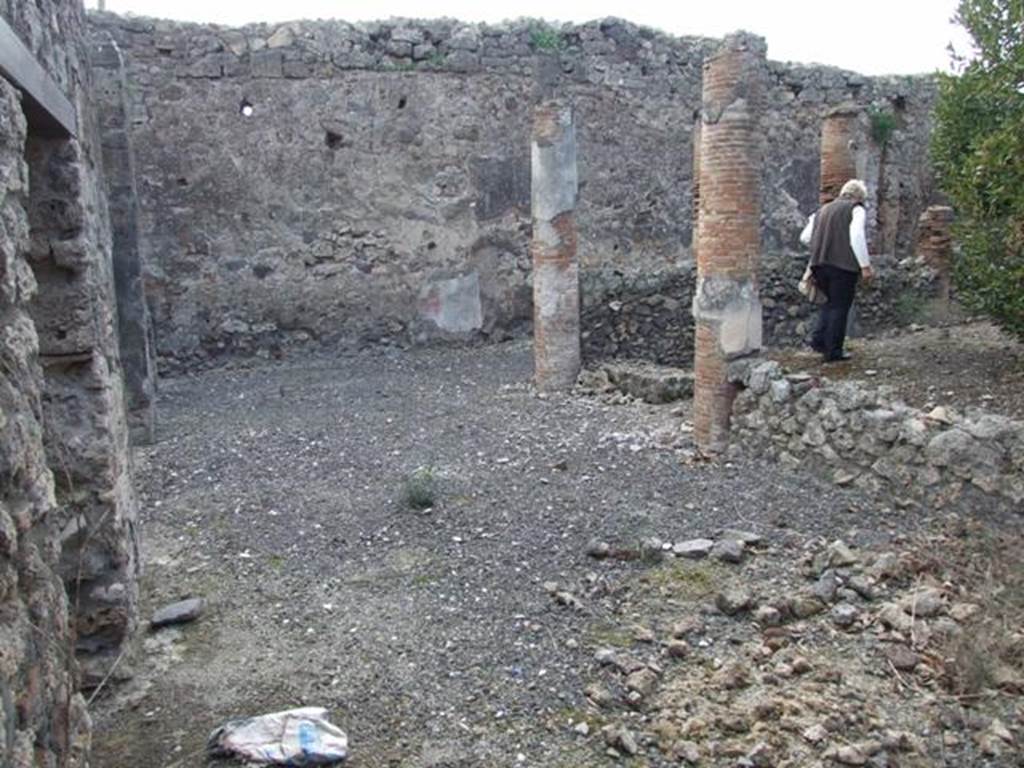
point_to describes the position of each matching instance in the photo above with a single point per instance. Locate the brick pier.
(726, 307)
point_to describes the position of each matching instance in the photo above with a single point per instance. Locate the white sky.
(870, 36)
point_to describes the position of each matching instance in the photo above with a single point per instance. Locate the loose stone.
(728, 551)
(694, 548)
(181, 612)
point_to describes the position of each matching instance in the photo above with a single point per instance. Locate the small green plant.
(436, 59)
(909, 308)
(544, 37)
(420, 491)
(883, 123)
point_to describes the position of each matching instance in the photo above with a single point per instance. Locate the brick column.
(556, 290)
(935, 244)
(726, 308)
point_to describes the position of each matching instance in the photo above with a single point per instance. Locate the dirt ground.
(966, 365)
(473, 632)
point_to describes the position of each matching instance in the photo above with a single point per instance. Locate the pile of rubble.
(832, 655)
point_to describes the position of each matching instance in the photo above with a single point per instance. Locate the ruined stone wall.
(371, 183)
(68, 511)
(40, 713)
(865, 437)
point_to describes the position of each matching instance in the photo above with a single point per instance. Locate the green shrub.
(883, 123)
(544, 37)
(978, 153)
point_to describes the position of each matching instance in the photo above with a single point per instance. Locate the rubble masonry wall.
(322, 180)
(863, 436)
(68, 549)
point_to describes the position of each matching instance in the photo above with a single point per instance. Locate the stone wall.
(865, 437)
(40, 714)
(68, 561)
(368, 183)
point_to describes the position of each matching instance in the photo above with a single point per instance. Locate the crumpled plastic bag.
(296, 737)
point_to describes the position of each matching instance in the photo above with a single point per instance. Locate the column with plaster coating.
(726, 307)
(556, 291)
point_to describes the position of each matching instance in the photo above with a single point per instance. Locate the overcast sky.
(870, 36)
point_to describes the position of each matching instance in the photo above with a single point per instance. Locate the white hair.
(854, 189)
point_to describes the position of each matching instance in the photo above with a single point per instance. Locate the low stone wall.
(867, 438)
(649, 316)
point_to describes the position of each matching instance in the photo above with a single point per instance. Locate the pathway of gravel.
(276, 494)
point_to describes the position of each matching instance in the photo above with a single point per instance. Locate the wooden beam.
(48, 110)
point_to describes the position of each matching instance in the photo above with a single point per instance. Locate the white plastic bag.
(296, 737)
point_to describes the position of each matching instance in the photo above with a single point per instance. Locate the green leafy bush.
(883, 123)
(978, 152)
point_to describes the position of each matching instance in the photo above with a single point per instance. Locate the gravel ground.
(276, 492)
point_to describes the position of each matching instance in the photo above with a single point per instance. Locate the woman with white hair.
(837, 236)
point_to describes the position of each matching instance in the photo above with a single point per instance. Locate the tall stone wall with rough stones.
(370, 183)
(40, 713)
(865, 437)
(68, 560)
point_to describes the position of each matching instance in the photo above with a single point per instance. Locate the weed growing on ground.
(420, 490)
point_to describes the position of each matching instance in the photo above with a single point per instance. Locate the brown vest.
(830, 239)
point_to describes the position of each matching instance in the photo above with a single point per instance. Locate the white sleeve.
(858, 237)
(805, 236)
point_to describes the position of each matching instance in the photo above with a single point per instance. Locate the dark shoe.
(841, 358)
(819, 348)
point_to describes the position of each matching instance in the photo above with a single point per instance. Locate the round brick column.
(556, 289)
(726, 308)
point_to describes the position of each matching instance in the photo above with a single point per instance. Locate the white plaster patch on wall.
(453, 304)
(740, 332)
(556, 291)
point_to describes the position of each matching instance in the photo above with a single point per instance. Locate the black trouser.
(839, 286)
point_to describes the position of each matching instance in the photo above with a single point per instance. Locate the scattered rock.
(848, 755)
(816, 734)
(600, 695)
(679, 649)
(862, 586)
(599, 550)
(688, 752)
(886, 566)
(749, 538)
(768, 616)
(734, 600)
(892, 616)
(827, 585)
(582, 728)
(694, 548)
(925, 602)
(844, 615)
(622, 738)
(902, 658)
(964, 611)
(685, 626)
(643, 681)
(733, 676)
(181, 612)
(643, 635)
(805, 606)
(728, 551)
